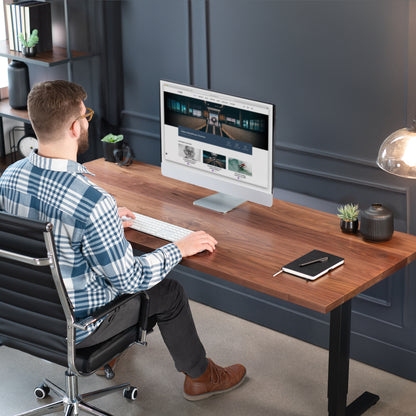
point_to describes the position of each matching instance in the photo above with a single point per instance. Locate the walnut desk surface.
(255, 241)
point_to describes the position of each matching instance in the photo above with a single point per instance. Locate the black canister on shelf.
(18, 84)
(377, 223)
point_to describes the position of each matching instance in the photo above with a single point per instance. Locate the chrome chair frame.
(70, 400)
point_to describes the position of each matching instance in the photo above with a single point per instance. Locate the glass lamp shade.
(397, 154)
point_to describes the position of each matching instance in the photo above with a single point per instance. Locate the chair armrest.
(104, 310)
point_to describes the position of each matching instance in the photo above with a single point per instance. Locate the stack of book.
(23, 17)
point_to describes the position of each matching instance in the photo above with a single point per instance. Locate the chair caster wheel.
(130, 393)
(109, 373)
(41, 391)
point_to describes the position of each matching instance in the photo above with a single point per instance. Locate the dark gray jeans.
(169, 307)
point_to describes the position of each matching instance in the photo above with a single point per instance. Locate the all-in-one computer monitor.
(217, 141)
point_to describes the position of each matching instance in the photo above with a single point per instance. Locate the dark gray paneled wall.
(341, 74)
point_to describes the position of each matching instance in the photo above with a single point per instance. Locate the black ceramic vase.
(349, 227)
(118, 152)
(18, 84)
(109, 149)
(29, 51)
(377, 223)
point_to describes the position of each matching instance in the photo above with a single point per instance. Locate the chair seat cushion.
(92, 358)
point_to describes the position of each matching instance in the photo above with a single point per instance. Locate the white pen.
(280, 271)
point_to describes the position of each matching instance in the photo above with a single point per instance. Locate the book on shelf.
(17, 25)
(15, 28)
(9, 27)
(23, 17)
(313, 264)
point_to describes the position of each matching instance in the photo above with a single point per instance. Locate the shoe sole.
(213, 393)
(101, 373)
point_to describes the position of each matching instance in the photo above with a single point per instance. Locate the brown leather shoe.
(215, 380)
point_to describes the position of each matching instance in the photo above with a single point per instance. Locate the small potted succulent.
(348, 214)
(29, 44)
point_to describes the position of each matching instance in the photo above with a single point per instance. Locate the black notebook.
(313, 265)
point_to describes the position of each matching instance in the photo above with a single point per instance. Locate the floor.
(286, 377)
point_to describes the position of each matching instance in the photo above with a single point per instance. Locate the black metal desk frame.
(338, 369)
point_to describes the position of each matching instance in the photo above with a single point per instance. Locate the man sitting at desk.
(96, 260)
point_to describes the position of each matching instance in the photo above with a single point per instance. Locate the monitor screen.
(217, 141)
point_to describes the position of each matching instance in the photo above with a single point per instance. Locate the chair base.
(72, 403)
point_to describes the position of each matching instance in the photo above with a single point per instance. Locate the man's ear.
(75, 129)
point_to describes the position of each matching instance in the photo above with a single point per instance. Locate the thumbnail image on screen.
(189, 153)
(215, 160)
(239, 166)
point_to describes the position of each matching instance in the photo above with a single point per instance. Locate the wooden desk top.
(256, 241)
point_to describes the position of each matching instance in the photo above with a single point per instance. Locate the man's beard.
(83, 143)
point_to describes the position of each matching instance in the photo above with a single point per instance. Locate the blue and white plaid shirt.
(96, 261)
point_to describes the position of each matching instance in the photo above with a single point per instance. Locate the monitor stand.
(219, 202)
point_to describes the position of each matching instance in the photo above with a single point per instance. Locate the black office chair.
(36, 316)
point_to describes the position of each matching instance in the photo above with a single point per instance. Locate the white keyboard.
(158, 228)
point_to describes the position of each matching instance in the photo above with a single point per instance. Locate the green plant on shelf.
(31, 41)
(348, 212)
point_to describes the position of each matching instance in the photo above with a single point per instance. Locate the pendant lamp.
(397, 154)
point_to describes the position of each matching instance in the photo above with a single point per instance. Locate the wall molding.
(339, 178)
(411, 64)
(135, 118)
(138, 132)
(143, 116)
(377, 301)
(324, 154)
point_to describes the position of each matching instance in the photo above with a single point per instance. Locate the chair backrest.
(34, 307)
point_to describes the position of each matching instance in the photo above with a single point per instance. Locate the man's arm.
(188, 246)
(111, 257)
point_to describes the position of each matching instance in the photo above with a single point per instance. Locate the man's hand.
(195, 243)
(124, 213)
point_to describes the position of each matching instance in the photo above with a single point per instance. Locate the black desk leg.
(338, 371)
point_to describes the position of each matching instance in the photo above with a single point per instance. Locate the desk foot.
(360, 405)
